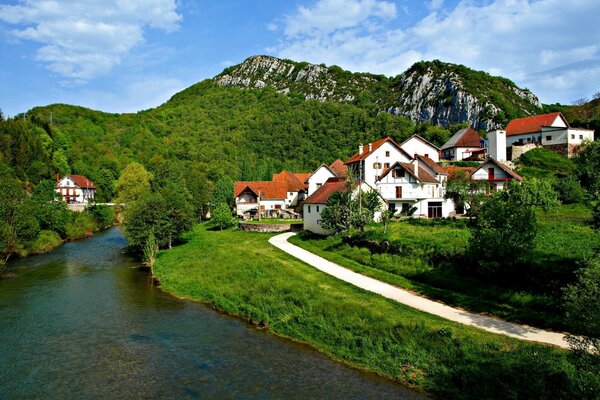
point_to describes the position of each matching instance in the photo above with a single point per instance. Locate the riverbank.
(241, 274)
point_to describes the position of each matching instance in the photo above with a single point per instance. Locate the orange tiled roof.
(424, 176)
(322, 194)
(81, 181)
(374, 146)
(451, 170)
(433, 165)
(294, 182)
(532, 124)
(266, 189)
(339, 168)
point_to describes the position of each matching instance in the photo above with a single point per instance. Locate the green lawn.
(242, 274)
(430, 263)
(275, 221)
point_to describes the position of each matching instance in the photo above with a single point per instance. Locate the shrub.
(569, 190)
(46, 241)
(103, 215)
(83, 225)
(222, 217)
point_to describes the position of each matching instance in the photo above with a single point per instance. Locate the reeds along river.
(84, 322)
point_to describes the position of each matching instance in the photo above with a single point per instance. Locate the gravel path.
(402, 296)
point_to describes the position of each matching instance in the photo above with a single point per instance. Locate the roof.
(424, 176)
(451, 170)
(265, 189)
(467, 137)
(433, 165)
(293, 182)
(81, 181)
(374, 146)
(422, 139)
(322, 194)
(339, 168)
(532, 124)
(501, 166)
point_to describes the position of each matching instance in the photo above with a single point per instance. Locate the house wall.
(72, 193)
(448, 207)
(411, 188)
(416, 146)
(312, 218)
(371, 173)
(499, 173)
(456, 153)
(578, 136)
(319, 177)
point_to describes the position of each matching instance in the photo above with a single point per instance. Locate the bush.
(222, 217)
(103, 215)
(548, 160)
(83, 225)
(46, 241)
(569, 190)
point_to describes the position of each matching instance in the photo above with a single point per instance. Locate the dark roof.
(322, 194)
(374, 146)
(424, 176)
(501, 166)
(433, 165)
(532, 124)
(266, 189)
(81, 181)
(467, 137)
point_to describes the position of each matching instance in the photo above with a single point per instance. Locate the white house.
(495, 173)
(76, 189)
(462, 145)
(295, 186)
(315, 203)
(419, 184)
(374, 158)
(418, 145)
(551, 131)
(265, 196)
(323, 173)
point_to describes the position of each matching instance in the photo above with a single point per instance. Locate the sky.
(131, 55)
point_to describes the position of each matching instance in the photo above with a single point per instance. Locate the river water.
(84, 322)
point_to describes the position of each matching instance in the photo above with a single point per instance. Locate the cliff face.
(440, 93)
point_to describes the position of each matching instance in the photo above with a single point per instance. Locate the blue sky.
(125, 56)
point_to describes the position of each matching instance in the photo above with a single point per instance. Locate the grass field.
(429, 263)
(275, 221)
(240, 273)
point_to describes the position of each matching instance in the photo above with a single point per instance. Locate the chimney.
(370, 147)
(416, 164)
(360, 149)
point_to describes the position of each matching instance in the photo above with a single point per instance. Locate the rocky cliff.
(438, 92)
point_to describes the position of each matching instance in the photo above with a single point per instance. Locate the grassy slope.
(564, 238)
(241, 274)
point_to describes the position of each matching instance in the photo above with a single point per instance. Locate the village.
(410, 178)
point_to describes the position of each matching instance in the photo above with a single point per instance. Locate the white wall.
(457, 153)
(416, 146)
(577, 136)
(318, 178)
(67, 187)
(499, 173)
(379, 156)
(312, 218)
(411, 188)
(497, 143)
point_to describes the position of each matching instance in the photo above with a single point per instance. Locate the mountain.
(440, 93)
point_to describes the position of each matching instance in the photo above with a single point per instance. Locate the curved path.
(501, 327)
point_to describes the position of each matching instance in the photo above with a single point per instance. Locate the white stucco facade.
(71, 192)
(318, 178)
(416, 145)
(378, 161)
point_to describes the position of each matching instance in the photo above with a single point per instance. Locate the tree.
(588, 166)
(51, 213)
(582, 305)
(133, 183)
(503, 232)
(371, 201)
(466, 192)
(222, 217)
(223, 192)
(150, 251)
(336, 216)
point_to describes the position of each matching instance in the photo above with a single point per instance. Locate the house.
(418, 186)
(495, 173)
(266, 197)
(418, 145)
(374, 158)
(464, 144)
(323, 173)
(315, 203)
(76, 189)
(551, 131)
(283, 194)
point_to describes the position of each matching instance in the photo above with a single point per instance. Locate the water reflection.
(84, 322)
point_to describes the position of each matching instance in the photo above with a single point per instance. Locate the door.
(490, 174)
(434, 209)
(398, 192)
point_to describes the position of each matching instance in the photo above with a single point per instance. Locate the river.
(84, 322)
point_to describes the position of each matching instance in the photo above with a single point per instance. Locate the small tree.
(465, 192)
(337, 214)
(582, 305)
(386, 217)
(371, 201)
(222, 217)
(223, 192)
(133, 183)
(150, 251)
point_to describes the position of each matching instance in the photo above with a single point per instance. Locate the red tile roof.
(294, 182)
(451, 170)
(467, 137)
(433, 165)
(424, 176)
(374, 146)
(339, 168)
(502, 166)
(81, 181)
(266, 189)
(532, 124)
(322, 194)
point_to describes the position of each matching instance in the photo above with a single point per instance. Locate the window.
(317, 208)
(405, 207)
(581, 137)
(386, 165)
(376, 165)
(548, 137)
(427, 155)
(319, 185)
(520, 141)
(278, 206)
(434, 209)
(398, 173)
(387, 153)
(460, 209)
(392, 207)
(398, 192)
(572, 136)
(319, 222)
(308, 208)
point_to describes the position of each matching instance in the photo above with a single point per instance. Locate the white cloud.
(538, 44)
(82, 40)
(272, 26)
